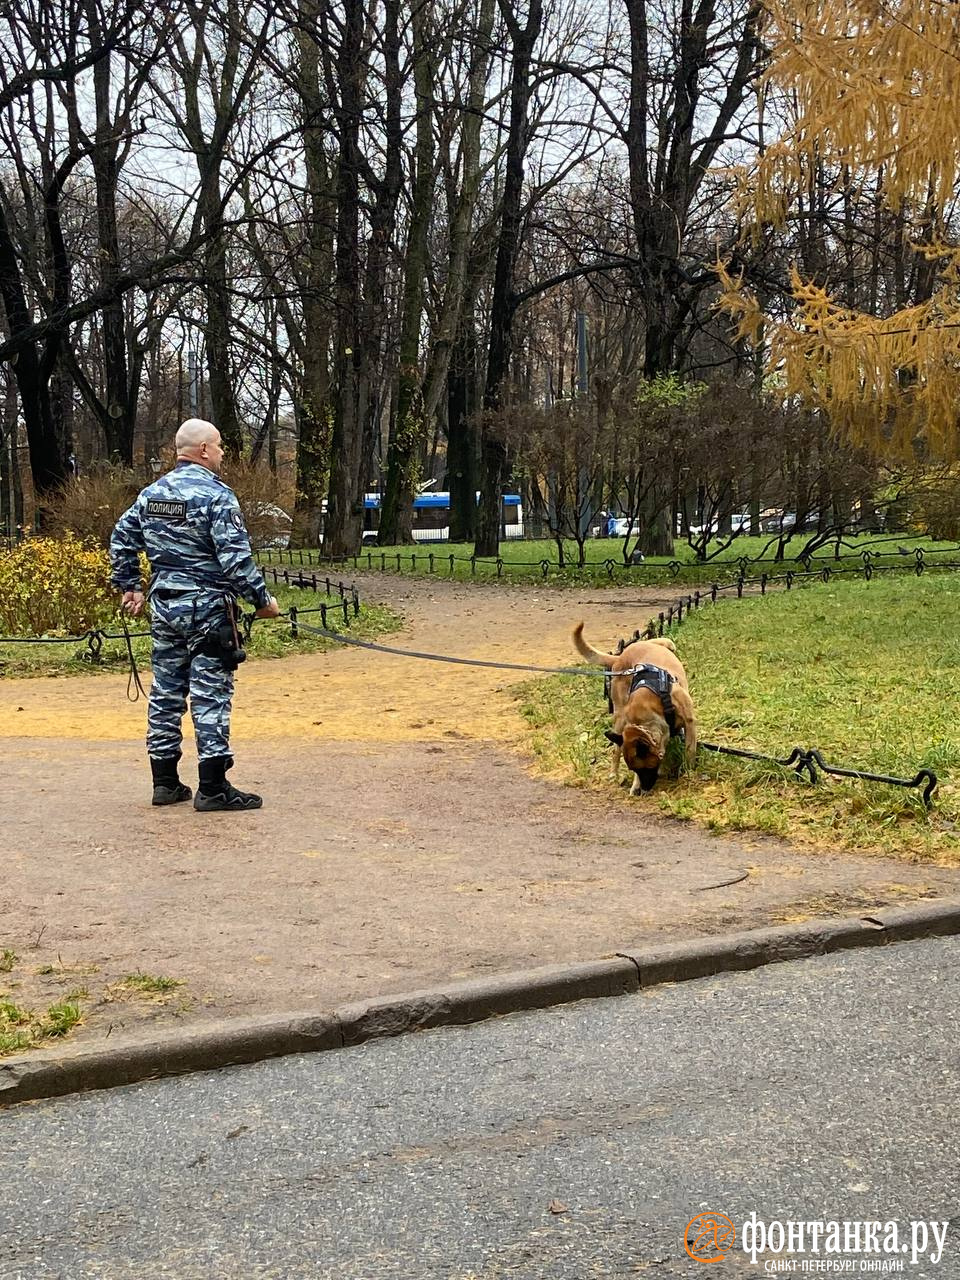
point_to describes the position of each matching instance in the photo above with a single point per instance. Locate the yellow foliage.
(872, 87)
(50, 585)
(889, 382)
(876, 84)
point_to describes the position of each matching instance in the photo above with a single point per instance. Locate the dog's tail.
(588, 651)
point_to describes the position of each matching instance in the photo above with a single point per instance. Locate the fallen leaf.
(557, 1206)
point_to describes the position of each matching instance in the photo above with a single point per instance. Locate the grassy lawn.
(268, 639)
(869, 673)
(538, 561)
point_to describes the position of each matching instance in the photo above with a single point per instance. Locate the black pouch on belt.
(223, 641)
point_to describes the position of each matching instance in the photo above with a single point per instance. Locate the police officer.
(189, 524)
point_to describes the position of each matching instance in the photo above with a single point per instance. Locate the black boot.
(167, 787)
(216, 795)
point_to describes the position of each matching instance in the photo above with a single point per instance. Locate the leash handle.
(133, 679)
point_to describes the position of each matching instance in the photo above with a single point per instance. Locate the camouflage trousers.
(176, 621)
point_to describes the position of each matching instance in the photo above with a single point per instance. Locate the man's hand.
(132, 603)
(271, 610)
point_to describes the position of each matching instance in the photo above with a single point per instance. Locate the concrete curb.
(245, 1040)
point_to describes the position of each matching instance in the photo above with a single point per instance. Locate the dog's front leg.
(690, 742)
(636, 789)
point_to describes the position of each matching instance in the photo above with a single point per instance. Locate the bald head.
(199, 441)
(195, 432)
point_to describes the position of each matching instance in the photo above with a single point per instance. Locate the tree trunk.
(117, 414)
(209, 154)
(223, 404)
(493, 453)
(11, 490)
(48, 458)
(408, 433)
(458, 287)
(376, 381)
(462, 441)
(655, 532)
(344, 512)
(314, 408)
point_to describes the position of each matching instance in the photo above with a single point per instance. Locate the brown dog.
(642, 705)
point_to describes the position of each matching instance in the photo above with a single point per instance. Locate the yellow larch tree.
(875, 90)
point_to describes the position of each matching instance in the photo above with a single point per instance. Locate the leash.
(133, 680)
(463, 662)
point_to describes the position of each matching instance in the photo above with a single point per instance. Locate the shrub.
(264, 500)
(89, 506)
(50, 584)
(936, 505)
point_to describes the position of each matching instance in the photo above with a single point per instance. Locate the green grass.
(22, 1028)
(523, 561)
(269, 639)
(148, 984)
(869, 673)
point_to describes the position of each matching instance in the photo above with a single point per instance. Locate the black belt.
(170, 593)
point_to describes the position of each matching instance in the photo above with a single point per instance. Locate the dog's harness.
(657, 681)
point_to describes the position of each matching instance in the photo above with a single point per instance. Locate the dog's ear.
(645, 741)
(615, 738)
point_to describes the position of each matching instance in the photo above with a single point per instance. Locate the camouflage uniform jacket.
(189, 524)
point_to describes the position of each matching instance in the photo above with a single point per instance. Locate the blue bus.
(431, 517)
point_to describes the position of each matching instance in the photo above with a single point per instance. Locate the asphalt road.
(556, 1146)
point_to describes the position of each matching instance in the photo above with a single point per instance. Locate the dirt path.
(404, 839)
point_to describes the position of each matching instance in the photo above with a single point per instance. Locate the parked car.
(270, 525)
(774, 521)
(739, 523)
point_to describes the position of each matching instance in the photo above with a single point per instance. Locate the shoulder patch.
(236, 519)
(167, 509)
